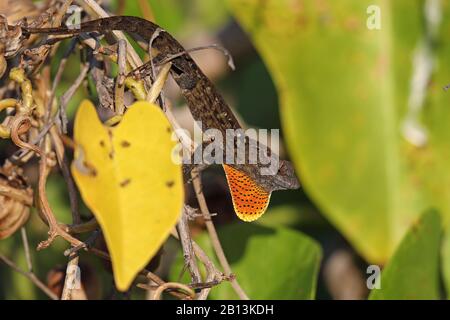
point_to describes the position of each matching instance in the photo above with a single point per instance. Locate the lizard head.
(285, 178)
(251, 191)
(280, 177)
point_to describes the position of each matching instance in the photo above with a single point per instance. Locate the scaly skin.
(204, 101)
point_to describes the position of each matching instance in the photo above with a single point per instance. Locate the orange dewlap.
(250, 201)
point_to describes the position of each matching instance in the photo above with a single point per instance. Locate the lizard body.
(204, 101)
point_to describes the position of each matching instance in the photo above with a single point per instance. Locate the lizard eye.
(282, 170)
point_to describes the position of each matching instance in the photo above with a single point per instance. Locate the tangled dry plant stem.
(188, 251)
(20, 125)
(172, 285)
(215, 241)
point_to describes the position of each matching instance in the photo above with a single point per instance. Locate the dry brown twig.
(172, 285)
(188, 251)
(30, 275)
(213, 275)
(20, 125)
(120, 87)
(213, 235)
(72, 265)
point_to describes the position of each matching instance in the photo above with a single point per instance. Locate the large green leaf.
(413, 272)
(268, 263)
(344, 93)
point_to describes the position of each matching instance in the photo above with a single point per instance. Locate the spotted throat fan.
(250, 201)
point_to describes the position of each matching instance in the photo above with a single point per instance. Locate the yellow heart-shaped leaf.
(127, 177)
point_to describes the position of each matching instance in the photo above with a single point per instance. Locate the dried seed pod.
(16, 198)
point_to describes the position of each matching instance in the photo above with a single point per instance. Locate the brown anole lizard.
(203, 99)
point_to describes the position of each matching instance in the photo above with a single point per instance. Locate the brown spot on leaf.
(125, 182)
(125, 144)
(170, 183)
(110, 134)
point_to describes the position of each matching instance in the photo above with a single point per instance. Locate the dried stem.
(20, 125)
(188, 251)
(30, 275)
(133, 57)
(26, 248)
(120, 88)
(212, 273)
(213, 234)
(172, 285)
(76, 219)
(147, 274)
(17, 195)
(65, 98)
